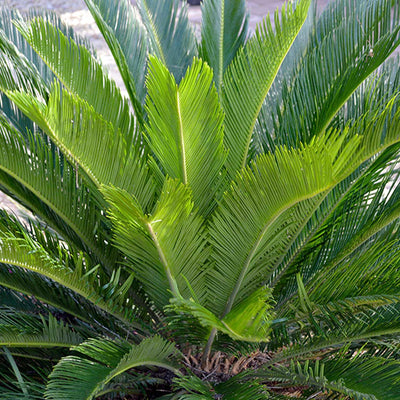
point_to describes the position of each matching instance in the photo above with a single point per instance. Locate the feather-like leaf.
(249, 77)
(224, 31)
(168, 248)
(185, 129)
(83, 378)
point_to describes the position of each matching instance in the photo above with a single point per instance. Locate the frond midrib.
(92, 245)
(254, 249)
(155, 33)
(358, 241)
(181, 140)
(88, 296)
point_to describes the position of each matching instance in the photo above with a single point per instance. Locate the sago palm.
(229, 229)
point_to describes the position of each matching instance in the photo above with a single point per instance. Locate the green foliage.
(229, 230)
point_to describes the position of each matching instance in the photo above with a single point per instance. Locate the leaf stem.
(17, 373)
(172, 283)
(207, 349)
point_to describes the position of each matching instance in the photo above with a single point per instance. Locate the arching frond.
(267, 229)
(167, 248)
(366, 179)
(249, 321)
(23, 75)
(171, 39)
(17, 248)
(126, 37)
(101, 360)
(89, 141)
(18, 330)
(352, 39)
(360, 378)
(368, 210)
(185, 129)
(33, 173)
(50, 293)
(224, 31)
(249, 77)
(82, 74)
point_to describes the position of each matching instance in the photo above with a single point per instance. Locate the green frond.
(351, 40)
(101, 360)
(72, 272)
(10, 18)
(82, 75)
(249, 77)
(264, 139)
(33, 173)
(167, 249)
(23, 75)
(126, 37)
(373, 271)
(269, 230)
(224, 31)
(16, 384)
(171, 38)
(44, 333)
(360, 377)
(249, 321)
(241, 390)
(372, 177)
(194, 387)
(89, 141)
(245, 227)
(233, 389)
(323, 329)
(134, 383)
(185, 129)
(50, 293)
(372, 94)
(365, 213)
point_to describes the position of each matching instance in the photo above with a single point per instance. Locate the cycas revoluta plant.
(229, 230)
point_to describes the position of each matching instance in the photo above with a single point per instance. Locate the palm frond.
(101, 360)
(171, 38)
(74, 210)
(360, 377)
(73, 272)
(373, 271)
(185, 129)
(268, 230)
(49, 293)
(168, 248)
(224, 31)
(23, 75)
(15, 332)
(89, 141)
(247, 202)
(249, 321)
(366, 212)
(127, 39)
(9, 19)
(365, 179)
(372, 94)
(263, 135)
(82, 74)
(249, 77)
(16, 385)
(352, 39)
(323, 330)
